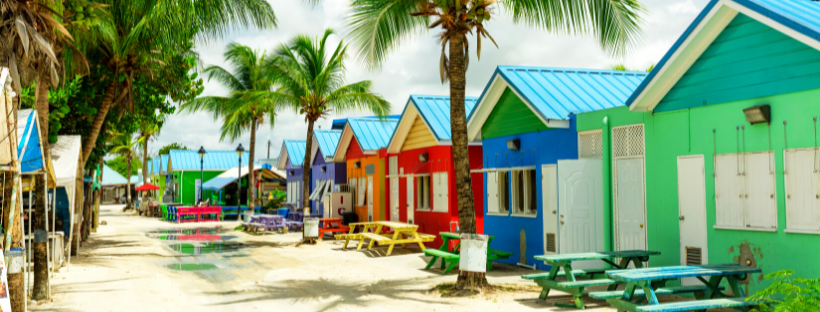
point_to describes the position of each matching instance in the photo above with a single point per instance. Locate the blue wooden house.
(543, 179)
(325, 173)
(291, 158)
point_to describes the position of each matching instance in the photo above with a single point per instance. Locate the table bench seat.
(587, 283)
(660, 291)
(560, 274)
(697, 305)
(442, 254)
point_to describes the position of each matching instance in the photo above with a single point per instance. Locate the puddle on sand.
(194, 231)
(205, 248)
(196, 234)
(190, 267)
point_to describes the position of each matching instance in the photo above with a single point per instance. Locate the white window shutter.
(761, 198)
(802, 191)
(354, 191)
(362, 188)
(492, 192)
(729, 193)
(445, 192)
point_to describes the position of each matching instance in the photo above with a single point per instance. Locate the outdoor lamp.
(201, 170)
(514, 144)
(424, 157)
(357, 164)
(758, 114)
(239, 151)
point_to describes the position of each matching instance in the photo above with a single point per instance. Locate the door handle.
(641, 225)
(681, 218)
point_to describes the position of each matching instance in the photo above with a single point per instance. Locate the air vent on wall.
(551, 244)
(693, 256)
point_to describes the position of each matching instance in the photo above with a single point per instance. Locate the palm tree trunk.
(43, 80)
(108, 98)
(251, 178)
(145, 169)
(128, 184)
(17, 290)
(461, 157)
(306, 167)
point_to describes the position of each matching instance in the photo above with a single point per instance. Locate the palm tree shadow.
(345, 293)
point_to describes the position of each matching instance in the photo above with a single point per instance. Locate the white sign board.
(311, 227)
(473, 253)
(5, 302)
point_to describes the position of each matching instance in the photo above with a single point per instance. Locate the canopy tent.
(30, 149)
(6, 104)
(229, 176)
(65, 154)
(147, 187)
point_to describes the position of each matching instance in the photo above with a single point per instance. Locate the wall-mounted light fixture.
(292, 173)
(324, 168)
(514, 144)
(424, 157)
(758, 114)
(357, 164)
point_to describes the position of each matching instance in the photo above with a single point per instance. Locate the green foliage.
(787, 294)
(173, 146)
(59, 105)
(279, 197)
(120, 165)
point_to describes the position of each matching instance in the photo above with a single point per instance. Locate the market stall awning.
(147, 187)
(29, 148)
(229, 176)
(65, 154)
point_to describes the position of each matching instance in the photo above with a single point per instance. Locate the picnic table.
(646, 284)
(332, 225)
(575, 287)
(199, 214)
(453, 256)
(403, 233)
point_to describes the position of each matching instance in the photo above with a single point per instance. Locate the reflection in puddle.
(197, 234)
(205, 248)
(191, 266)
(194, 231)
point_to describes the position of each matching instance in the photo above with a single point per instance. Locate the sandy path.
(122, 269)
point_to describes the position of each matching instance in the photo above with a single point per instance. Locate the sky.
(413, 67)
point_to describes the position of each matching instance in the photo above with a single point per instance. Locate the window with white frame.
(423, 193)
(503, 193)
(745, 193)
(441, 201)
(802, 181)
(523, 192)
(492, 193)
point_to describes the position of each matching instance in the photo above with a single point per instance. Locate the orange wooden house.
(363, 148)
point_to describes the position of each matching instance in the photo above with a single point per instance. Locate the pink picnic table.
(199, 212)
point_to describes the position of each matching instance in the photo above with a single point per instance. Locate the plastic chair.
(164, 210)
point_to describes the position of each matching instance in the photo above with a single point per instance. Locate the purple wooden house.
(291, 158)
(324, 173)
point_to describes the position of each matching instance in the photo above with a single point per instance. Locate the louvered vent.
(693, 256)
(628, 141)
(342, 188)
(590, 145)
(551, 244)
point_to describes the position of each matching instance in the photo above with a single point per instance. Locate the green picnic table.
(646, 284)
(597, 277)
(453, 256)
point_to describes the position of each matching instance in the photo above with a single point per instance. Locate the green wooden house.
(184, 169)
(715, 158)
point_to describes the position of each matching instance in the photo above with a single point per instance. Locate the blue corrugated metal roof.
(153, 165)
(435, 110)
(29, 149)
(328, 141)
(371, 133)
(555, 93)
(296, 151)
(163, 163)
(111, 177)
(214, 160)
(802, 16)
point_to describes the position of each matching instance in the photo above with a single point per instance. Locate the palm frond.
(377, 26)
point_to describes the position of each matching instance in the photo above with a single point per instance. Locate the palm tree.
(312, 83)
(378, 26)
(140, 34)
(239, 113)
(126, 145)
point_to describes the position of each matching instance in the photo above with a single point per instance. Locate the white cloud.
(413, 68)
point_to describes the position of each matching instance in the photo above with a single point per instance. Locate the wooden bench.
(495, 254)
(332, 225)
(403, 234)
(577, 273)
(603, 295)
(698, 305)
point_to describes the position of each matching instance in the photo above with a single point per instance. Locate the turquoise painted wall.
(690, 132)
(747, 60)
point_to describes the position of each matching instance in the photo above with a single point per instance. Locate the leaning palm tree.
(378, 26)
(239, 113)
(313, 83)
(126, 145)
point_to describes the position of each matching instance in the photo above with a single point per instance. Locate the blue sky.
(413, 68)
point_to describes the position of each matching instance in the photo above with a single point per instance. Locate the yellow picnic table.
(403, 233)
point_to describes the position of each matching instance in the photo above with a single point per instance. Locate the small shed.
(225, 183)
(291, 160)
(421, 175)
(543, 178)
(363, 148)
(324, 172)
(66, 154)
(184, 168)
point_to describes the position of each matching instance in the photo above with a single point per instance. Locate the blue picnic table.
(644, 285)
(596, 277)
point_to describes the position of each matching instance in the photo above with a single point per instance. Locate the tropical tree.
(250, 75)
(173, 146)
(312, 82)
(378, 26)
(139, 35)
(126, 145)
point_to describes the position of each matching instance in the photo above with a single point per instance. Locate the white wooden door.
(692, 213)
(549, 199)
(630, 204)
(580, 208)
(394, 199)
(370, 198)
(411, 196)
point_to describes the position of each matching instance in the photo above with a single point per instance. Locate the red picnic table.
(199, 213)
(332, 225)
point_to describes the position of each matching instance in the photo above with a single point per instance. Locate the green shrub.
(787, 294)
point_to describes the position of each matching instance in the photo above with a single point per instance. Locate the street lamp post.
(201, 170)
(239, 151)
